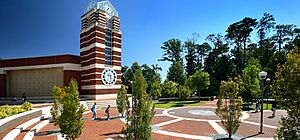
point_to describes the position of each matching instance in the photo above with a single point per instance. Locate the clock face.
(109, 77)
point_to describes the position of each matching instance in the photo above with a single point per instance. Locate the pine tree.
(142, 109)
(122, 100)
(67, 111)
(176, 73)
(230, 111)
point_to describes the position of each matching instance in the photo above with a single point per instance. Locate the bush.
(5, 111)
(26, 106)
(183, 92)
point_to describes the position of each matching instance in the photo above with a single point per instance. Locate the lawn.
(178, 104)
(266, 107)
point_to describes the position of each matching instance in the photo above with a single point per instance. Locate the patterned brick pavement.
(170, 124)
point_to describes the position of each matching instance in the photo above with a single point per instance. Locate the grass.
(178, 104)
(265, 106)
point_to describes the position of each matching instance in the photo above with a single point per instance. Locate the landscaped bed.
(6, 111)
(171, 104)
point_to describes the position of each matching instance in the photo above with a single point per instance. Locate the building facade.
(97, 69)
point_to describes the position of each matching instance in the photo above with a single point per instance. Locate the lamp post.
(268, 80)
(262, 76)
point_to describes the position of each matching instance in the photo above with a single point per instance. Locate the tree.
(169, 89)
(239, 33)
(151, 74)
(155, 89)
(122, 100)
(282, 34)
(172, 51)
(249, 82)
(198, 81)
(183, 92)
(265, 24)
(67, 111)
(202, 51)
(230, 111)
(176, 73)
(287, 88)
(142, 109)
(190, 57)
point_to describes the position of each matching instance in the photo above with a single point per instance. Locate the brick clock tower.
(100, 51)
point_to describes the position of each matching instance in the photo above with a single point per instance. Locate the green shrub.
(183, 92)
(26, 106)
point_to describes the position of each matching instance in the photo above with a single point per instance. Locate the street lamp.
(268, 80)
(262, 76)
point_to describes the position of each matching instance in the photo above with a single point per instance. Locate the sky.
(31, 28)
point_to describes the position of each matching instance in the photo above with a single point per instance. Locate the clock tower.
(100, 51)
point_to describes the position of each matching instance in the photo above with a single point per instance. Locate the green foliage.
(169, 89)
(172, 51)
(287, 88)
(6, 111)
(250, 82)
(26, 106)
(176, 73)
(198, 81)
(155, 89)
(122, 100)
(67, 111)
(142, 109)
(230, 110)
(202, 51)
(190, 57)
(183, 92)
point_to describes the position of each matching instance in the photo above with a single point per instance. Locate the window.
(108, 44)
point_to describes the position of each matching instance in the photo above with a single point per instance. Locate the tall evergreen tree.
(172, 51)
(202, 51)
(282, 35)
(265, 24)
(176, 73)
(142, 110)
(122, 100)
(190, 57)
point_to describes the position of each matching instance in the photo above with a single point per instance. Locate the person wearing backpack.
(93, 109)
(107, 111)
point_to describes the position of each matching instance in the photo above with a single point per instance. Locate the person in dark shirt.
(24, 98)
(274, 106)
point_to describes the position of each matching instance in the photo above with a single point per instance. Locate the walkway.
(182, 123)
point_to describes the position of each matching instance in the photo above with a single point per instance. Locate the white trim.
(100, 87)
(116, 49)
(92, 53)
(91, 80)
(117, 42)
(217, 127)
(97, 58)
(99, 66)
(92, 46)
(101, 97)
(265, 125)
(92, 33)
(95, 73)
(169, 122)
(92, 38)
(35, 129)
(180, 135)
(65, 66)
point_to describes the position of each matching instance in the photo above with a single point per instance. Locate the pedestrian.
(274, 106)
(257, 106)
(24, 98)
(107, 111)
(93, 109)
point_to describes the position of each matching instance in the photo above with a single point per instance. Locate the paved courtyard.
(199, 122)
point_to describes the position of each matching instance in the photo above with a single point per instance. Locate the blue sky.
(51, 27)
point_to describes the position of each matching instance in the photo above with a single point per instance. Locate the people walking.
(93, 109)
(257, 106)
(107, 111)
(274, 106)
